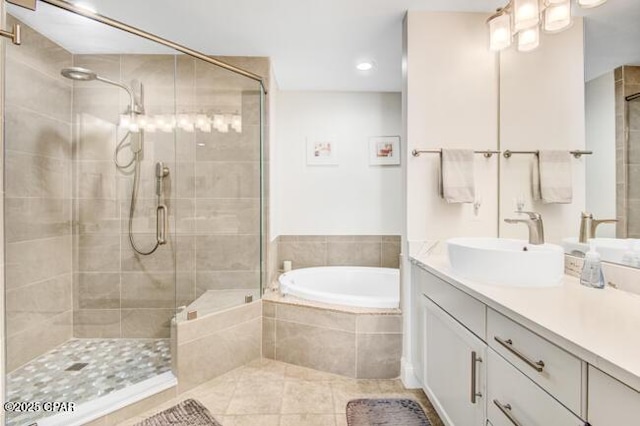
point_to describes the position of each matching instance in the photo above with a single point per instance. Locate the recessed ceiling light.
(86, 6)
(364, 66)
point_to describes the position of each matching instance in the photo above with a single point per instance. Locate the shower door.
(90, 220)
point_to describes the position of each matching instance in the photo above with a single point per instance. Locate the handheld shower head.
(84, 74)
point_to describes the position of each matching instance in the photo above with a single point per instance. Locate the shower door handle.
(162, 222)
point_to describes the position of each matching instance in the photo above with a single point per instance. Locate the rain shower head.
(85, 74)
(632, 97)
(79, 74)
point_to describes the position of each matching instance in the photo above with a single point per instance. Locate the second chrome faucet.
(534, 223)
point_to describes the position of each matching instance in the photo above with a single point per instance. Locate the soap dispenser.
(591, 275)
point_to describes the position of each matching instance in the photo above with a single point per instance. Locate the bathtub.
(344, 285)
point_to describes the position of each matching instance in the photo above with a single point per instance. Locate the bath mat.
(188, 413)
(389, 412)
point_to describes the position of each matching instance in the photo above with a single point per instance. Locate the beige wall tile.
(268, 338)
(30, 343)
(379, 323)
(314, 347)
(98, 216)
(29, 132)
(166, 258)
(353, 254)
(36, 304)
(35, 218)
(390, 255)
(146, 323)
(222, 280)
(379, 356)
(231, 146)
(96, 179)
(52, 256)
(97, 102)
(227, 252)
(302, 254)
(228, 179)
(203, 359)
(316, 317)
(241, 216)
(97, 253)
(96, 323)
(202, 327)
(96, 290)
(268, 309)
(30, 175)
(151, 70)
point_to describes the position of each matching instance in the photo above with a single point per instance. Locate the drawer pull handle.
(474, 393)
(508, 344)
(506, 410)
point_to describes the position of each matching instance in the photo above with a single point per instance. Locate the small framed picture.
(321, 152)
(384, 151)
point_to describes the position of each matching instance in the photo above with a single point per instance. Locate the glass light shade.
(526, 14)
(591, 3)
(557, 17)
(500, 32)
(529, 39)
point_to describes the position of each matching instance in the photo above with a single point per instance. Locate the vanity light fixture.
(523, 19)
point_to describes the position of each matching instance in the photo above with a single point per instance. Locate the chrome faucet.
(534, 223)
(588, 226)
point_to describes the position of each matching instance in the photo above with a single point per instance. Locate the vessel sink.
(611, 249)
(506, 262)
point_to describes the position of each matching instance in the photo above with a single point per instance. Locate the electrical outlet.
(573, 265)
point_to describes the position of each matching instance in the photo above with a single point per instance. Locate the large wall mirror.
(612, 124)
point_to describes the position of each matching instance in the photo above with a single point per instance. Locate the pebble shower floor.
(111, 365)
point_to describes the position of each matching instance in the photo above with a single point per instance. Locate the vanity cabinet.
(455, 373)
(479, 367)
(611, 402)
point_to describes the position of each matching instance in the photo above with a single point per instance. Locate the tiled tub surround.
(337, 250)
(214, 344)
(354, 342)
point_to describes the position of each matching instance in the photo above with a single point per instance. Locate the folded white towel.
(457, 183)
(552, 178)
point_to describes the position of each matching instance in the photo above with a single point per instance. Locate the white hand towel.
(552, 178)
(457, 183)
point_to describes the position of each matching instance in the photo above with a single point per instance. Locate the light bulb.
(590, 3)
(529, 39)
(500, 32)
(526, 14)
(557, 17)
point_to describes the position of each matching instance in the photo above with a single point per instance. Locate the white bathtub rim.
(374, 302)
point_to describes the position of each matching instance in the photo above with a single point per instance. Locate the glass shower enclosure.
(133, 195)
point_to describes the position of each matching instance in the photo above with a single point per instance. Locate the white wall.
(601, 139)
(452, 98)
(352, 198)
(542, 107)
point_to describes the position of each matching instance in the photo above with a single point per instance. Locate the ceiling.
(314, 45)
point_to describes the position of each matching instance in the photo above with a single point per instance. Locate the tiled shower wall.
(627, 82)
(38, 198)
(213, 195)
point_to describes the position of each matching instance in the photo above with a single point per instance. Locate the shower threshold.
(117, 373)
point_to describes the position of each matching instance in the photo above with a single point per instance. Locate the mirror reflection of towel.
(552, 179)
(457, 183)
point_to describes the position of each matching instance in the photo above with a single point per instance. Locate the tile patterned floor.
(112, 364)
(271, 393)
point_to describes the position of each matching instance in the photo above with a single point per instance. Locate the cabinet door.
(455, 375)
(611, 402)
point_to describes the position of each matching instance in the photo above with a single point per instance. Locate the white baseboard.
(408, 376)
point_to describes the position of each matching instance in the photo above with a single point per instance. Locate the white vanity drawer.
(611, 402)
(555, 370)
(514, 399)
(465, 309)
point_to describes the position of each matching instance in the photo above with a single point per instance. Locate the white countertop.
(600, 326)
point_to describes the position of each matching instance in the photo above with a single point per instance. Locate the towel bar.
(575, 153)
(487, 153)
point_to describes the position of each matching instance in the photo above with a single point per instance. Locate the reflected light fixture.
(365, 66)
(524, 18)
(86, 6)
